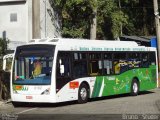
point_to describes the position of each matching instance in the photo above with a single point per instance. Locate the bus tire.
(134, 87)
(83, 93)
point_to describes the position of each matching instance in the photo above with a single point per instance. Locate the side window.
(63, 65)
(145, 60)
(134, 60)
(120, 63)
(108, 69)
(152, 58)
(79, 64)
(95, 64)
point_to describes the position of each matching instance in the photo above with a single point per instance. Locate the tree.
(75, 17)
(3, 46)
(79, 18)
(93, 23)
(3, 49)
(113, 18)
(141, 17)
(110, 19)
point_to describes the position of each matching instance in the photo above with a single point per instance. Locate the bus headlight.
(46, 92)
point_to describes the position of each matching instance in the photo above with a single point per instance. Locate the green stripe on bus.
(97, 86)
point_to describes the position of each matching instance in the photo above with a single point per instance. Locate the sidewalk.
(5, 102)
(1, 103)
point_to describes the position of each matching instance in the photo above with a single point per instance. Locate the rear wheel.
(134, 87)
(83, 93)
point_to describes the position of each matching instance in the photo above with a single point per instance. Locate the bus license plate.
(29, 97)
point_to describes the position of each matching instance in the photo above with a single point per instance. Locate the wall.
(17, 30)
(48, 21)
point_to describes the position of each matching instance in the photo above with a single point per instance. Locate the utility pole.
(156, 12)
(36, 19)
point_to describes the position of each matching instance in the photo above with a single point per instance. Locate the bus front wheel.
(83, 93)
(134, 87)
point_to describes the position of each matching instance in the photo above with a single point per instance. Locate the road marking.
(26, 110)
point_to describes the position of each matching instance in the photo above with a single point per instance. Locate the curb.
(1, 103)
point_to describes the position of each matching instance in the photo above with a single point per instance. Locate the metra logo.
(21, 88)
(25, 88)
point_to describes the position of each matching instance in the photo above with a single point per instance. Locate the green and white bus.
(58, 70)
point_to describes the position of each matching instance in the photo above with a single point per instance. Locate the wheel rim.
(83, 93)
(135, 87)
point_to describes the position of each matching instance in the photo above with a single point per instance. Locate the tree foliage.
(75, 15)
(3, 46)
(114, 17)
(141, 17)
(3, 49)
(110, 19)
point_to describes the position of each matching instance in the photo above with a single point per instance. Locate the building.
(22, 20)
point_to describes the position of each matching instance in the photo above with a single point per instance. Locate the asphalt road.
(144, 106)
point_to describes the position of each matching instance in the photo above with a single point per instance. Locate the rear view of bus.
(31, 73)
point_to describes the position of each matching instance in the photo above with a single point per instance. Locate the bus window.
(108, 69)
(134, 60)
(120, 63)
(80, 56)
(152, 58)
(145, 60)
(63, 65)
(79, 65)
(95, 64)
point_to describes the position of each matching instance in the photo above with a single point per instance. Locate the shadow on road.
(119, 96)
(75, 102)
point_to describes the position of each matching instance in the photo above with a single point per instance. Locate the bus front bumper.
(33, 98)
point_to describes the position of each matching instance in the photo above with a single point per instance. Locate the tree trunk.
(93, 27)
(121, 23)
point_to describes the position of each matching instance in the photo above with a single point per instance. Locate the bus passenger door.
(63, 75)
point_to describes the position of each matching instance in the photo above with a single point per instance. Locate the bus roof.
(91, 45)
(75, 42)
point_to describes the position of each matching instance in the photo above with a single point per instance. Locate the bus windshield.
(33, 65)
